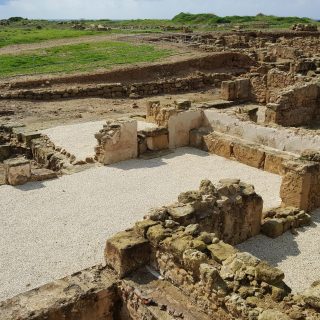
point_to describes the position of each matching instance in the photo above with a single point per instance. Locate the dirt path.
(19, 48)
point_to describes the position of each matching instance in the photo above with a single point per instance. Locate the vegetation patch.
(79, 57)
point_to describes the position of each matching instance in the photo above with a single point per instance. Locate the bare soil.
(37, 115)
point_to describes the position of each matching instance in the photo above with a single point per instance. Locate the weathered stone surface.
(273, 228)
(182, 213)
(221, 251)
(312, 295)
(86, 295)
(220, 145)
(273, 315)
(158, 143)
(126, 251)
(118, 141)
(42, 174)
(250, 155)
(18, 171)
(141, 227)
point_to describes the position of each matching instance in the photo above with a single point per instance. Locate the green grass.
(9, 36)
(79, 57)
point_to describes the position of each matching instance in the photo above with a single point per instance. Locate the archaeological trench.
(182, 260)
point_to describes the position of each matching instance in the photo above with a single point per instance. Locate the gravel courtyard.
(58, 227)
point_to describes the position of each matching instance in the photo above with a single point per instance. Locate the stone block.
(298, 185)
(18, 171)
(219, 145)
(274, 162)
(179, 126)
(272, 228)
(183, 104)
(242, 89)
(228, 90)
(117, 141)
(249, 154)
(27, 137)
(157, 143)
(126, 251)
(42, 174)
(221, 251)
(182, 213)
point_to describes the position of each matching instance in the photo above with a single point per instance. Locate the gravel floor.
(54, 228)
(297, 255)
(78, 139)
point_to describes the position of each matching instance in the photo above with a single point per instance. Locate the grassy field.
(9, 36)
(80, 57)
(19, 31)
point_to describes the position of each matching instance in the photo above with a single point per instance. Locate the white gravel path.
(54, 228)
(78, 139)
(298, 256)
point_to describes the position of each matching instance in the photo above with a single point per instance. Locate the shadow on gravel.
(31, 186)
(279, 249)
(157, 159)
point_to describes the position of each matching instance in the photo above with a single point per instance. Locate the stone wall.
(273, 137)
(214, 275)
(121, 90)
(301, 178)
(238, 89)
(117, 141)
(294, 106)
(88, 295)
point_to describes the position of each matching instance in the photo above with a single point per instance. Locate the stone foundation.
(117, 141)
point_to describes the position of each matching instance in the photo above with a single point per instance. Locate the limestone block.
(182, 213)
(249, 154)
(272, 314)
(273, 228)
(221, 251)
(179, 126)
(158, 142)
(42, 174)
(274, 162)
(311, 296)
(126, 251)
(18, 171)
(300, 185)
(197, 137)
(86, 295)
(27, 137)
(118, 141)
(183, 104)
(242, 88)
(228, 90)
(216, 144)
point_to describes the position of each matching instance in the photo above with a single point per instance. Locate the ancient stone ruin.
(183, 260)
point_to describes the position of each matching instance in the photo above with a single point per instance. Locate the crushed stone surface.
(78, 139)
(54, 228)
(297, 255)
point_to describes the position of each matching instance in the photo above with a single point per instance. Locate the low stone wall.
(217, 278)
(88, 295)
(279, 220)
(277, 138)
(295, 106)
(120, 90)
(117, 141)
(238, 89)
(301, 178)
